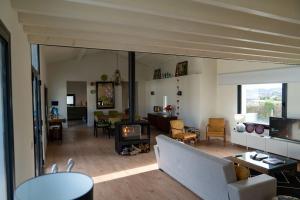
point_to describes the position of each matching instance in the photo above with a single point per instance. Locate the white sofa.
(209, 177)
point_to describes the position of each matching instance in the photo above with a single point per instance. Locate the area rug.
(288, 183)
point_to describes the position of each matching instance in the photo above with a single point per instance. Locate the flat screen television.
(285, 128)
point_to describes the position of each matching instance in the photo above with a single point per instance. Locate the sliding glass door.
(6, 126)
(37, 116)
(3, 189)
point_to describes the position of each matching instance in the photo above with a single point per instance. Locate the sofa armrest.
(259, 187)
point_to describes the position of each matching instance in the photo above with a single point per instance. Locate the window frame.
(74, 100)
(283, 103)
(8, 116)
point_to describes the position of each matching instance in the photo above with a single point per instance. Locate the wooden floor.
(122, 177)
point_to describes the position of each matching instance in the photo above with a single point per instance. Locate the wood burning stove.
(131, 133)
(128, 134)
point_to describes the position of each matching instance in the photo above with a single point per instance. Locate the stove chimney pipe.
(131, 85)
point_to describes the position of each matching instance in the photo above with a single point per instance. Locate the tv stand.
(277, 146)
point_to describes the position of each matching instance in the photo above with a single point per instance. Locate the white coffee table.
(58, 186)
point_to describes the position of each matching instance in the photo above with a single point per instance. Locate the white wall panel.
(285, 75)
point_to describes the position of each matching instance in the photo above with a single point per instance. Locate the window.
(71, 99)
(261, 101)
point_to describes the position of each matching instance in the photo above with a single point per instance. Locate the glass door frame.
(36, 107)
(8, 115)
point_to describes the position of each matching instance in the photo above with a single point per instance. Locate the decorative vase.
(240, 127)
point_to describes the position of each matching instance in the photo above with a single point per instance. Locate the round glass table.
(58, 186)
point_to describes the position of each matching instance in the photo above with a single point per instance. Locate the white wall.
(234, 66)
(79, 89)
(21, 91)
(227, 104)
(198, 99)
(89, 69)
(227, 93)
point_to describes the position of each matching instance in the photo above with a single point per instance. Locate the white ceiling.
(263, 30)
(54, 54)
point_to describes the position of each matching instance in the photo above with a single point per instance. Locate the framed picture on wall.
(157, 74)
(181, 68)
(105, 95)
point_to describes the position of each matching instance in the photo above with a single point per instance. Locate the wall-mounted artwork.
(157, 74)
(105, 95)
(181, 69)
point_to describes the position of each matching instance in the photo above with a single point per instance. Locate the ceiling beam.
(203, 13)
(171, 36)
(162, 12)
(205, 34)
(124, 45)
(284, 10)
(159, 42)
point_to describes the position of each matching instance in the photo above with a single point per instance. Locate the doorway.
(76, 103)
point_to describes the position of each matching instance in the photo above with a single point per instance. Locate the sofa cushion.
(241, 172)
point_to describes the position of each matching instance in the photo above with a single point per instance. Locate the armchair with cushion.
(216, 128)
(178, 132)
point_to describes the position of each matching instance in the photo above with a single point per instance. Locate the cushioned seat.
(179, 133)
(216, 128)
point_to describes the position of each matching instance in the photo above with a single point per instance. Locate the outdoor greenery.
(265, 107)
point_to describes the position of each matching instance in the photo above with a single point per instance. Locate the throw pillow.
(241, 172)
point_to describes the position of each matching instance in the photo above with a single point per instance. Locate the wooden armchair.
(216, 128)
(178, 132)
(98, 115)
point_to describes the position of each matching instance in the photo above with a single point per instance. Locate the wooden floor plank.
(97, 158)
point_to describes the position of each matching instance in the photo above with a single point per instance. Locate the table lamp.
(54, 109)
